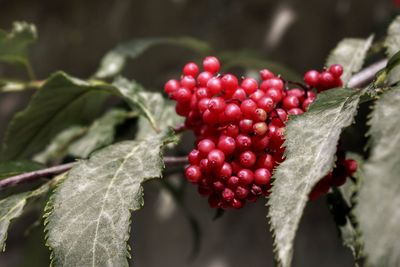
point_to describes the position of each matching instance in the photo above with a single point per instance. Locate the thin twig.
(55, 170)
(34, 175)
(366, 75)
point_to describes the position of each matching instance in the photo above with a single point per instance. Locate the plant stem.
(58, 169)
(367, 74)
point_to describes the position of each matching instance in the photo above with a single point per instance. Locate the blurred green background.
(74, 35)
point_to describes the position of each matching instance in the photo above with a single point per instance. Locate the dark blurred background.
(73, 36)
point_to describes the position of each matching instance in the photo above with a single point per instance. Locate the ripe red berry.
(247, 159)
(257, 95)
(191, 69)
(171, 86)
(265, 161)
(188, 82)
(216, 158)
(266, 103)
(312, 78)
(276, 83)
(295, 111)
(194, 157)
(226, 144)
(226, 171)
(211, 64)
(214, 85)
(205, 146)
(243, 142)
(290, 102)
(233, 182)
(246, 126)
(266, 74)
(229, 82)
(239, 94)
(245, 176)
(203, 78)
(275, 94)
(262, 176)
(233, 112)
(248, 107)
(183, 95)
(236, 204)
(193, 173)
(326, 80)
(336, 70)
(249, 85)
(216, 104)
(241, 192)
(228, 195)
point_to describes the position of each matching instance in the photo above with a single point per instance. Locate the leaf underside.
(89, 214)
(392, 41)
(311, 140)
(379, 199)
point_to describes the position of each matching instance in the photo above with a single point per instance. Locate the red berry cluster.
(327, 79)
(238, 126)
(343, 168)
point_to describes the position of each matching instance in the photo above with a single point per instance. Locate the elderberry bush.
(239, 127)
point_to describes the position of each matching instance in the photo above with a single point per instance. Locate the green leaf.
(379, 199)
(350, 53)
(13, 206)
(61, 102)
(100, 134)
(248, 59)
(114, 61)
(163, 112)
(131, 92)
(14, 45)
(89, 214)
(58, 147)
(12, 168)
(392, 41)
(311, 140)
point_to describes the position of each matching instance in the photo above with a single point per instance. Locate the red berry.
(248, 107)
(262, 176)
(183, 95)
(216, 158)
(243, 142)
(194, 157)
(246, 126)
(229, 82)
(257, 95)
(290, 102)
(191, 69)
(336, 70)
(239, 94)
(241, 192)
(188, 82)
(226, 171)
(233, 182)
(246, 176)
(266, 74)
(236, 204)
(211, 64)
(214, 85)
(249, 85)
(266, 103)
(228, 195)
(351, 166)
(216, 104)
(193, 173)
(226, 144)
(326, 80)
(203, 78)
(295, 111)
(275, 94)
(231, 130)
(205, 146)
(233, 112)
(312, 78)
(265, 161)
(276, 83)
(171, 86)
(247, 159)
